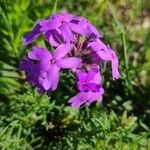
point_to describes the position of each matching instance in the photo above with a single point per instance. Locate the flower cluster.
(77, 46)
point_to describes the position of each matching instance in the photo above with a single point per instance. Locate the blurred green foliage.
(32, 121)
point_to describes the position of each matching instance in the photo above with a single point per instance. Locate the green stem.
(125, 51)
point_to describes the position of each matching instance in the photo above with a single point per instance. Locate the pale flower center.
(53, 61)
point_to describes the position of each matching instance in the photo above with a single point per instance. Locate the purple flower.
(62, 28)
(82, 50)
(57, 29)
(83, 27)
(77, 46)
(43, 68)
(34, 72)
(105, 53)
(31, 36)
(89, 86)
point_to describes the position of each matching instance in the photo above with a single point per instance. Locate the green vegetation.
(29, 120)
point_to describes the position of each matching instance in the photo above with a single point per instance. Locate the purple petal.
(86, 98)
(66, 33)
(94, 75)
(115, 72)
(25, 64)
(53, 77)
(94, 31)
(81, 76)
(48, 25)
(62, 50)
(82, 26)
(71, 63)
(86, 87)
(55, 21)
(54, 37)
(93, 87)
(45, 83)
(94, 96)
(89, 81)
(39, 53)
(81, 86)
(101, 49)
(90, 75)
(31, 36)
(114, 64)
(106, 54)
(31, 69)
(63, 17)
(40, 90)
(79, 28)
(97, 78)
(95, 58)
(78, 100)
